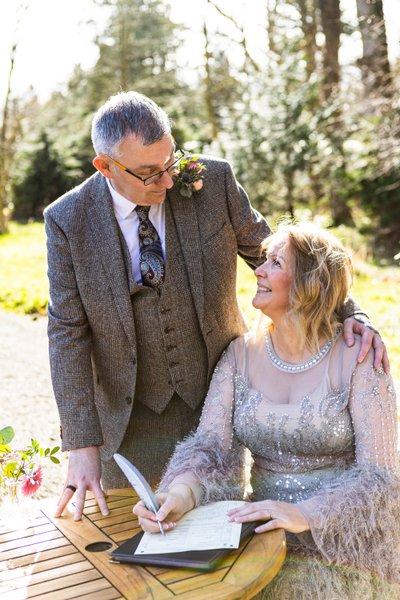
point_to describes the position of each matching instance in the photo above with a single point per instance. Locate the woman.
(321, 429)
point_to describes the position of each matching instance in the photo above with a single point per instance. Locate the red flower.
(31, 483)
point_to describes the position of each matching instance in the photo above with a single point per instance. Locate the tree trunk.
(375, 68)
(123, 42)
(289, 180)
(208, 87)
(340, 212)
(332, 27)
(272, 6)
(4, 183)
(308, 15)
(309, 27)
(5, 146)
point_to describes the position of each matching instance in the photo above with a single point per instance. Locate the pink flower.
(31, 483)
(190, 175)
(197, 185)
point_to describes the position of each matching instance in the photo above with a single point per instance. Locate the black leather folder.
(200, 560)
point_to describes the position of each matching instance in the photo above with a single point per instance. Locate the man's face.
(144, 161)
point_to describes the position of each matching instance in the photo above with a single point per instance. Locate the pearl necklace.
(295, 367)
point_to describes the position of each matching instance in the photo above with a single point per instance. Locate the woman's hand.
(174, 504)
(280, 515)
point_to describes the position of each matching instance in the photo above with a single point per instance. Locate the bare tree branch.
(242, 42)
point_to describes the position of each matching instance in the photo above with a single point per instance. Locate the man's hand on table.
(84, 472)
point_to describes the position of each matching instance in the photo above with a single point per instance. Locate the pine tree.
(43, 179)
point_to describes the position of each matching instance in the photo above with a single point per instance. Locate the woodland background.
(311, 133)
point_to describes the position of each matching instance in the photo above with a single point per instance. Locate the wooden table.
(49, 560)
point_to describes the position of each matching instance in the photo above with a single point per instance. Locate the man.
(134, 340)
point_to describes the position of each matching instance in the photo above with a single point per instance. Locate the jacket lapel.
(107, 247)
(183, 212)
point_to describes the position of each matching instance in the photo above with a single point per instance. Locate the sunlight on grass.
(23, 280)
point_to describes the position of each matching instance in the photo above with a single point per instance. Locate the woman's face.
(274, 278)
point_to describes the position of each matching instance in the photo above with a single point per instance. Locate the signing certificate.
(203, 528)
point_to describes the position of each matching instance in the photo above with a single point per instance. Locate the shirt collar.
(121, 205)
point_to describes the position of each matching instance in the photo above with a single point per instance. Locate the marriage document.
(203, 528)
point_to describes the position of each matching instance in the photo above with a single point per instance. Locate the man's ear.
(102, 164)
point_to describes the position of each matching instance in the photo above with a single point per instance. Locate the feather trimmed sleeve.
(356, 519)
(211, 456)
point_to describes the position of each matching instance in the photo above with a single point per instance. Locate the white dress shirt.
(128, 221)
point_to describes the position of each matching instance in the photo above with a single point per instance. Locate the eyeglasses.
(179, 154)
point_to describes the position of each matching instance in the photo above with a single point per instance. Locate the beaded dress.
(323, 437)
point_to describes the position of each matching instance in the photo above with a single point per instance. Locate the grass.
(23, 280)
(24, 287)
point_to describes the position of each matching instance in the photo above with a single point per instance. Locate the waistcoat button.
(128, 399)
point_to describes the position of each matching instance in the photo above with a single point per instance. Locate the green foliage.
(381, 198)
(11, 470)
(41, 179)
(66, 118)
(20, 464)
(6, 436)
(136, 51)
(289, 147)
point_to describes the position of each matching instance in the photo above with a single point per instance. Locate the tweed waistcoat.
(171, 353)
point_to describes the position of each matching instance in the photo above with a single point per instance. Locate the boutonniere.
(189, 176)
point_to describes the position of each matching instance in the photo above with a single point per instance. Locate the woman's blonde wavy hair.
(322, 275)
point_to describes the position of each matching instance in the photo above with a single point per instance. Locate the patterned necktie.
(152, 265)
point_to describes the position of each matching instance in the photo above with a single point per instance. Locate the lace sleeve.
(373, 410)
(212, 455)
(355, 520)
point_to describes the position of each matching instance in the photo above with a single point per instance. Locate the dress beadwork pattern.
(325, 439)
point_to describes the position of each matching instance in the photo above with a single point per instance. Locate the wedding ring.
(71, 487)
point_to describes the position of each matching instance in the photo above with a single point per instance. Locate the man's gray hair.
(125, 114)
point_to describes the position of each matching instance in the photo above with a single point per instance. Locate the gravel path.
(26, 396)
